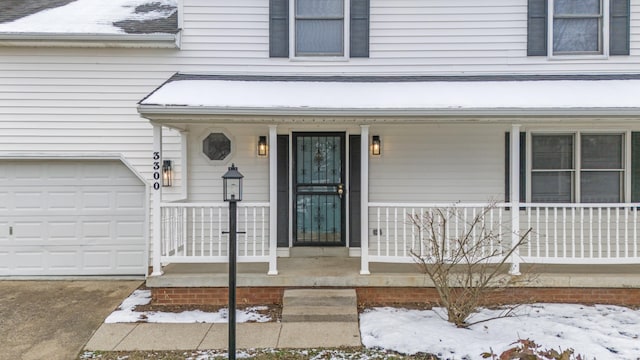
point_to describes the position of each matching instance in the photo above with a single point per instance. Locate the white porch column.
(514, 181)
(273, 200)
(156, 198)
(184, 164)
(364, 200)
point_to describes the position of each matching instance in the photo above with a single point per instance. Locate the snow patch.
(126, 313)
(89, 17)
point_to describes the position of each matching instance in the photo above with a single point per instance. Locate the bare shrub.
(466, 256)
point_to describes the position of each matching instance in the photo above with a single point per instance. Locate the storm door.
(318, 189)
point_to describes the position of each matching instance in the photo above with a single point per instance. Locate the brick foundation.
(216, 296)
(393, 296)
(399, 295)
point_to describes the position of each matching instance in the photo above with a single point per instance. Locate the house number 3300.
(156, 170)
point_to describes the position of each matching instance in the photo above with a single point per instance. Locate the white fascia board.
(165, 114)
(157, 41)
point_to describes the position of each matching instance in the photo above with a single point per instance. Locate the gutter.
(162, 113)
(158, 40)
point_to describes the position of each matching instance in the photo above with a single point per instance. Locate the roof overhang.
(190, 98)
(155, 41)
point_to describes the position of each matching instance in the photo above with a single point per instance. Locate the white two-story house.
(118, 120)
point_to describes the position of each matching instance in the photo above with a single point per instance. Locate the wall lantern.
(375, 145)
(262, 146)
(167, 173)
(232, 184)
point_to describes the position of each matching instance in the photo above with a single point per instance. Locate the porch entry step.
(320, 305)
(319, 251)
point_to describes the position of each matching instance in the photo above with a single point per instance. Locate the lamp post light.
(232, 192)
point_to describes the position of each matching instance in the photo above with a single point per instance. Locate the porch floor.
(345, 272)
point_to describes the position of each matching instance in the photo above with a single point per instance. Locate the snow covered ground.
(603, 332)
(126, 313)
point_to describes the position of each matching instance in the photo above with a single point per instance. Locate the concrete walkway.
(310, 318)
(146, 336)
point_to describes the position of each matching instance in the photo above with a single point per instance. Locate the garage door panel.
(129, 229)
(130, 200)
(27, 200)
(62, 200)
(98, 260)
(129, 259)
(63, 260)
(31, 259)
(61, 231)
(71, 217)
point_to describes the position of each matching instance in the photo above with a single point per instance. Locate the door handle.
(340, 190)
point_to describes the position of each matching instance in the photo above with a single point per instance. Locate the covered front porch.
(462, 161)
(337, 271)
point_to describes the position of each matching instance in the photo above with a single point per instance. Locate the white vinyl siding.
(205, 176)
(445, 163)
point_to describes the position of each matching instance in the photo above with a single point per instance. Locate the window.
(551, 168)
(559, 173)
(216, 146)
(577, 26)
(602, 168)
(318, 28)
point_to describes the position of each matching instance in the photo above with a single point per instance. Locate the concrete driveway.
(54, 319)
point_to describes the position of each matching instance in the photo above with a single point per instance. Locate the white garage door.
(71, 217)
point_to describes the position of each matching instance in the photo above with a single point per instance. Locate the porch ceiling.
(200, 97)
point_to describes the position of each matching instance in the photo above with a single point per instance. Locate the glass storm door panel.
(319, 189)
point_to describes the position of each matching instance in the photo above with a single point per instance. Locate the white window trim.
(346, 33)
(577, 165)
(605, 36)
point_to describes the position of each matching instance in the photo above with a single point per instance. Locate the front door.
(319, 189)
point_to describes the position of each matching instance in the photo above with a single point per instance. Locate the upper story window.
(318, 29)
(578, 28)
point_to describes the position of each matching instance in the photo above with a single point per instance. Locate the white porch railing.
(561, 233)
(194, 232)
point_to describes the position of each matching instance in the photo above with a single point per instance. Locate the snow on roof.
(99, 17)
(306, 96)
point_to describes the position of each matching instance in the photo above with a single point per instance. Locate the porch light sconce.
(375, 145)
(167, 173)
(263, 149)
(232, 184)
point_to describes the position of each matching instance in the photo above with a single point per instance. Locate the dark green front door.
(319, 189)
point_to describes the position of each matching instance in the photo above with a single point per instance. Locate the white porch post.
(273, 200)
(156, 197)
(514, 181)
(364, 200)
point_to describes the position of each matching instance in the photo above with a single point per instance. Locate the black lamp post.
(232, 192)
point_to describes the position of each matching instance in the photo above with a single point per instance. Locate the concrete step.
(320, 305)
(319, 251)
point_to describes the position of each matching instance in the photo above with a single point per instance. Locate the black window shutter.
(523, 167)
(635, 167)
(359, 37)
(283, 190)
(537, 28)
(278, 28)
(619, 27)
(354, 191)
